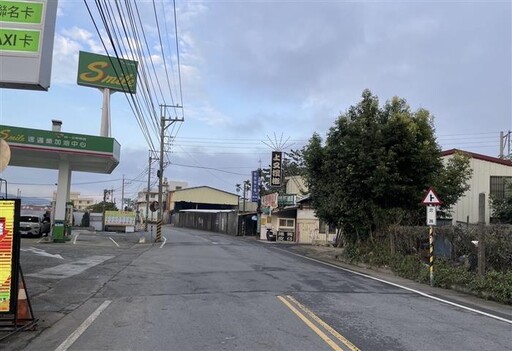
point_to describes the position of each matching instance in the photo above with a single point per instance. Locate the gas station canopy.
(45, 149)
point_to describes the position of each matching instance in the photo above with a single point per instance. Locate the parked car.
(31, 226)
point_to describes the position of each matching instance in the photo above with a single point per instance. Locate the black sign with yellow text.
(276, 170)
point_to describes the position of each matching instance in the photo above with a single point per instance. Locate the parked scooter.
(270, 235)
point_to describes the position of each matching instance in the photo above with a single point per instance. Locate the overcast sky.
(275, 72)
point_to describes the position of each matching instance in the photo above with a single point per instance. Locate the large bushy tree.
(103, 205)
(374, 166)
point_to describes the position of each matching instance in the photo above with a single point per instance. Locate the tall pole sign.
(255, 190)
(276, 170)
(431, 200)
(27, 29)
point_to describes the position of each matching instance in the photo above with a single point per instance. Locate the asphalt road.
(206, 291)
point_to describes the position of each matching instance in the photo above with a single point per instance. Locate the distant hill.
(36, 201)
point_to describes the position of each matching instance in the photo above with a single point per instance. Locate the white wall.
(479, 183)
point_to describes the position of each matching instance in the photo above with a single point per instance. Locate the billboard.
(27, 30)
(9, 254)
(120, 218)
(255, 190)
(276, 170)
(102, 71)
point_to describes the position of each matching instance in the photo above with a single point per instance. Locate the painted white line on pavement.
(67, 270)
(66, 344)
(114, 241)
(165, 240)
(42, 253)
(402, 287)
(76, 237)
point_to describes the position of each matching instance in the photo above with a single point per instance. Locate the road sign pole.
(431, 200)
(431, 254)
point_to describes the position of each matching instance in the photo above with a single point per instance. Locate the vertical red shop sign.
(9, 254)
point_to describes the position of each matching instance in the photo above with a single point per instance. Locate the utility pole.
(163, 126)
(247, 187)
(122, 195)
(147, 193)
(505, 139)
(105, 193)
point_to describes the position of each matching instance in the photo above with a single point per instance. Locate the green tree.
(375, 166)
(103, 205)
(293, 163)
(452, 180)
(501, 207)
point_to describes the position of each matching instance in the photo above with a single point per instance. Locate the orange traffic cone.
(24, 310)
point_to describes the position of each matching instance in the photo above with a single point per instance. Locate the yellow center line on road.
(327, 327)
(320, 333)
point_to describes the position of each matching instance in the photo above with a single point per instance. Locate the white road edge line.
(165, 240)
(76, 237)
(403, 287)
(114, 241)
(66, 344)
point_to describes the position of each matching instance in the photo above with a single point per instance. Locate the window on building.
(331, 229)
(286, 223)
(501, 186)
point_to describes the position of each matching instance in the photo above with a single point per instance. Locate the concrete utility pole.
(247, 187)
(163, 126)
(122, 195)
(147, 193)
(481, 234)
(505, 140)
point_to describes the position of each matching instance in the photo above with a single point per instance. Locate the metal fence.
(219, 222)
(479, 247)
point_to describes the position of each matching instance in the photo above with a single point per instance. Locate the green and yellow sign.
(120, 218)
(102, 71)
(58, 141)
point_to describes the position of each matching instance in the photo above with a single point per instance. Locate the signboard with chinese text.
(9, 254)
(102, 71)
(276, 170)
(286, 200)
(269, 200)
(120, 218)
(27, 31)
(19, 40)
(57, 140)
(255, 190)
(431, 215)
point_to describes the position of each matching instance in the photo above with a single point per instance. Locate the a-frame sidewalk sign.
(15, 309)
